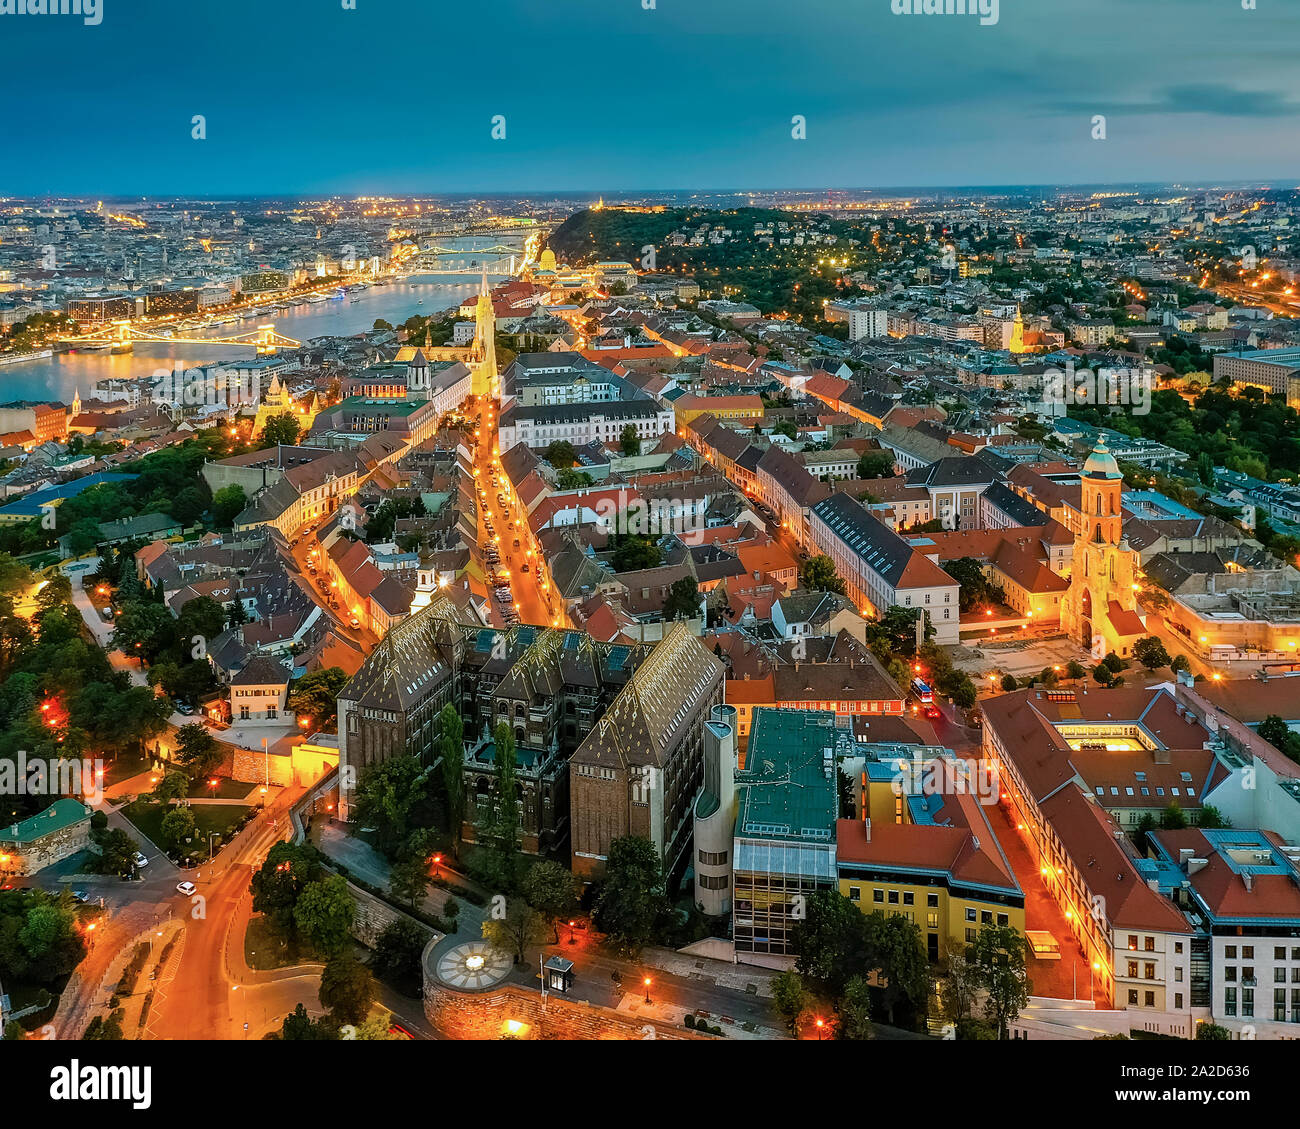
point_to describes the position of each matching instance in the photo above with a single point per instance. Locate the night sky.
(302, 96)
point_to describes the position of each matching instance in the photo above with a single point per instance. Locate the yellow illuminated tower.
(487, 381)
(1018, 334)
(1100, 610)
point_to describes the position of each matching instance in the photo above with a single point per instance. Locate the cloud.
(1217, 100)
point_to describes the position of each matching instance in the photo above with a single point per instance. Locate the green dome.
(1101, 463)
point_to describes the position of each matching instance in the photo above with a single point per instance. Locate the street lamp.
(647, 989)
(821, 1026)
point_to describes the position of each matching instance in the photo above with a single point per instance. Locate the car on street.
(523, 568)
(80, 897)
(354, 623)
(186, 888)
(139, 859)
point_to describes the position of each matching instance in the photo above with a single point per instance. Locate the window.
(878, 895)
(1003, 920)
(243, 713)
(1132, 997)
(893, 897)
(1178, 1001)
(909, 898)
(1150, 944)
(1178, 974)
(855, 893)
(1229, 1001)
(1133, 941)
(1149, 999)
(970, 913)
(1230, 952)
(1148, 971)
(932, 900)
(1248, 1002)
(986, 917)
(1133, 970)
(1247, 952)
(1230, 973)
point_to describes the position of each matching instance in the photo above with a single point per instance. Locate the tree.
(324, 913)
(504, 816)
(854, 1018)
(394, 798)
(227, 504)
(830, 941)
(177, 827)
(116, 848)
(552, 890)
(197, 749)
(346, 988)
(409, 880)
(633, 553)
(631, 899)
(999, 955)
(280, 881)
(1172, 818)
(398, 951)
(819, 575)
(566, 478)
(521, 927)
(1211, 818)
(561, 454)
(683, 601)
(298, 1026)
(1212, 1032)
(876, 464)
(1277, 733)
(895, 949)
(974, 585)
(50, 941)
(149, 625)
(1008, 683)
(629, 441)
(315, 695)
(958, 985)
(790, 998)
(1151, 653)
(1074, 670)
(173, 786)
(281, 430)
(451, 746)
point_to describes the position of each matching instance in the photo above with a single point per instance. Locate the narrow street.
(503, 527)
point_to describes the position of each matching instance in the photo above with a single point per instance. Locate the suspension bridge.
(121, 336)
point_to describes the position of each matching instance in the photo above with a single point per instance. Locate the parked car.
(139, 859)
(80, 897)
(186, 888)
(523, 568)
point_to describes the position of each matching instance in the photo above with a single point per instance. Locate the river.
(60, 376)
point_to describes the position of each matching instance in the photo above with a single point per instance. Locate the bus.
(922, 690)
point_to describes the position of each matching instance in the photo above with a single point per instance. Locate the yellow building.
(278, 402)
(926, 851)
(1100, 610)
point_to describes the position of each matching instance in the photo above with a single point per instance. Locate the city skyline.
(885, 99)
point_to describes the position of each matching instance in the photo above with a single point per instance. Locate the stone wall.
(512, 1011)
(374, 916)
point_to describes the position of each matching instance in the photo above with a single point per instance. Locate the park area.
(221, 821)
